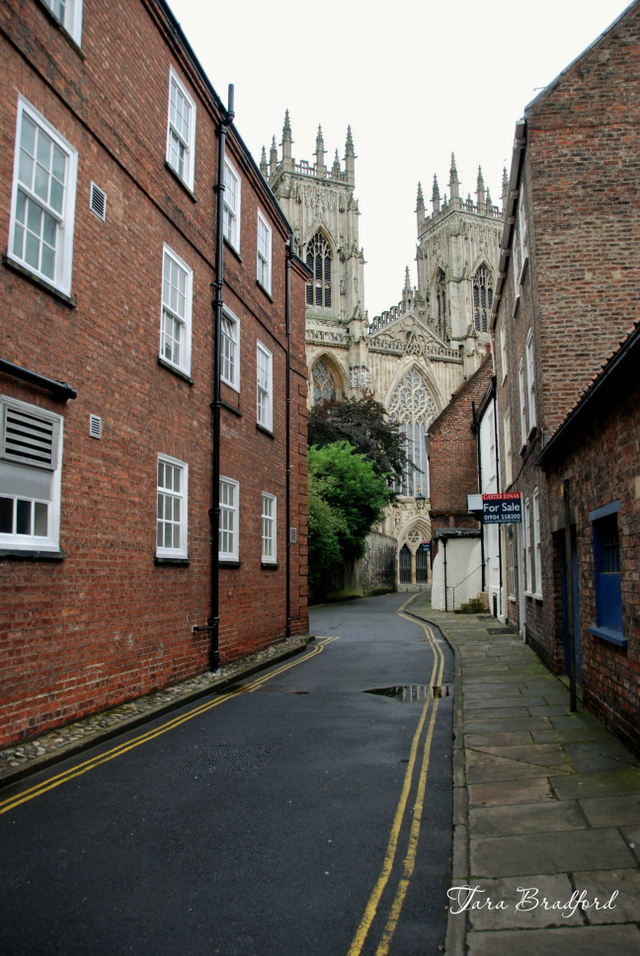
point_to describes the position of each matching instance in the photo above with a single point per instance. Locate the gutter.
(213, 622)
(59, 390)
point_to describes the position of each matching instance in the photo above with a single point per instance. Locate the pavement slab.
(585, 940)
(527, 818)
(554, 852)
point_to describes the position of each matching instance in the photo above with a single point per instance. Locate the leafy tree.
(363, 424)
(346, 498)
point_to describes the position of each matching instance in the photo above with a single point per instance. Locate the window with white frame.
(506, 433)
(512, 568)
(181, 130)
(69, 14)
(175, 325)
(523, 402)
(43, 201)
(172, 508)
(264, 366)
(230, 349)
(503, 352)
(231, 205)
(269, 526)
(537, 547)
(531, 380)
(30, 469)
(528, 548)
(264, 253)
(228, 529)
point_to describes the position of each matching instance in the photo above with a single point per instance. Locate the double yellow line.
(408, 863)
(125, 746)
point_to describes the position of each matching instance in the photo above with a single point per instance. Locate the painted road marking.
(408, 864)
(9, 804)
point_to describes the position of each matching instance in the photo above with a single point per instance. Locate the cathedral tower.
(318, 200)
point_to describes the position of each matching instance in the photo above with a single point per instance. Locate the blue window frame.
(606, 566)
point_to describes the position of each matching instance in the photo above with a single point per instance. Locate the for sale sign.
(502, 508)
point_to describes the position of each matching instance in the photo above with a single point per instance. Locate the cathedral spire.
(263, 162)
(454, 182)
(349, 157)
(435, 195)
(407, 280)
(480, 192)
(286, 141)
(420, 199)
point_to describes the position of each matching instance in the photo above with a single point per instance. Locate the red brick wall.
(579, 292)
(601, 461)
(453, 454)
(107, 622)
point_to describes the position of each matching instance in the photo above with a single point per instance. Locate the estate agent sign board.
(502, 508)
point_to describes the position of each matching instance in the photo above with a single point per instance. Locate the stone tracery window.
(324, 386)
(441, 304)
(319, 262)
(482, 299)
(412, 406)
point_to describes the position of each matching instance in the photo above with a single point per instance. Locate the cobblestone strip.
(22, 758)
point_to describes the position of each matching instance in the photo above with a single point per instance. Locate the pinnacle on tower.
(263, 162)
(488, 202)
(320, 151)
(420, 199)
(273, 155)
(480, 194)
(454, 183)
(286, 140)
(336, 165)
(435, 195)
(505, 187)
(349, 157)
(407, 280)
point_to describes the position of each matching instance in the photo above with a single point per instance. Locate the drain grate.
(407, 693)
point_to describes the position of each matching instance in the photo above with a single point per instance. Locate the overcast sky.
(415, 79)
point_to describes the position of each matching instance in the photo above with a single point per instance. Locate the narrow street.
(304, 811)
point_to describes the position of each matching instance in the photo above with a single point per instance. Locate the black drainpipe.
(289, 254)
(213, 623)
(444, 549)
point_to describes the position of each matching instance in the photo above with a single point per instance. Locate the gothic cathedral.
(414, 356)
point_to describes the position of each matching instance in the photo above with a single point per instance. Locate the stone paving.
(546, 807)
(18, 760)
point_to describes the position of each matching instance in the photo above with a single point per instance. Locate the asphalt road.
(296, 815)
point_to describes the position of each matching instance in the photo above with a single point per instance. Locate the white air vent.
(28, 440)
(98, 202)
(95, 426)
(293, 535)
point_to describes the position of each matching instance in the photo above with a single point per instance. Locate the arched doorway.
(404, 561)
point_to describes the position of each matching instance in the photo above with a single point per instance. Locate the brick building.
(566, 295)
(453, 475)
(603, 496)
(151, 523)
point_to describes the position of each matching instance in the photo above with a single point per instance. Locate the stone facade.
(413, 356)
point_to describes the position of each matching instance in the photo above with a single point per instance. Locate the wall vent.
(95, 426)
(98, 202)
(293, 535)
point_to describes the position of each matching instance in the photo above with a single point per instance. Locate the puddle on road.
(407, 693)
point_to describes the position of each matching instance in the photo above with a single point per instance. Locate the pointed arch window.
(482, 299)
(319, 262)
(441, 304)
(413, 407)
(324, 386)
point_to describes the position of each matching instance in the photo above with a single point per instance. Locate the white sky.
(417, 80)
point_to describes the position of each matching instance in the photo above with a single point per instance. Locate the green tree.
(363, 423)
(346, 498)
